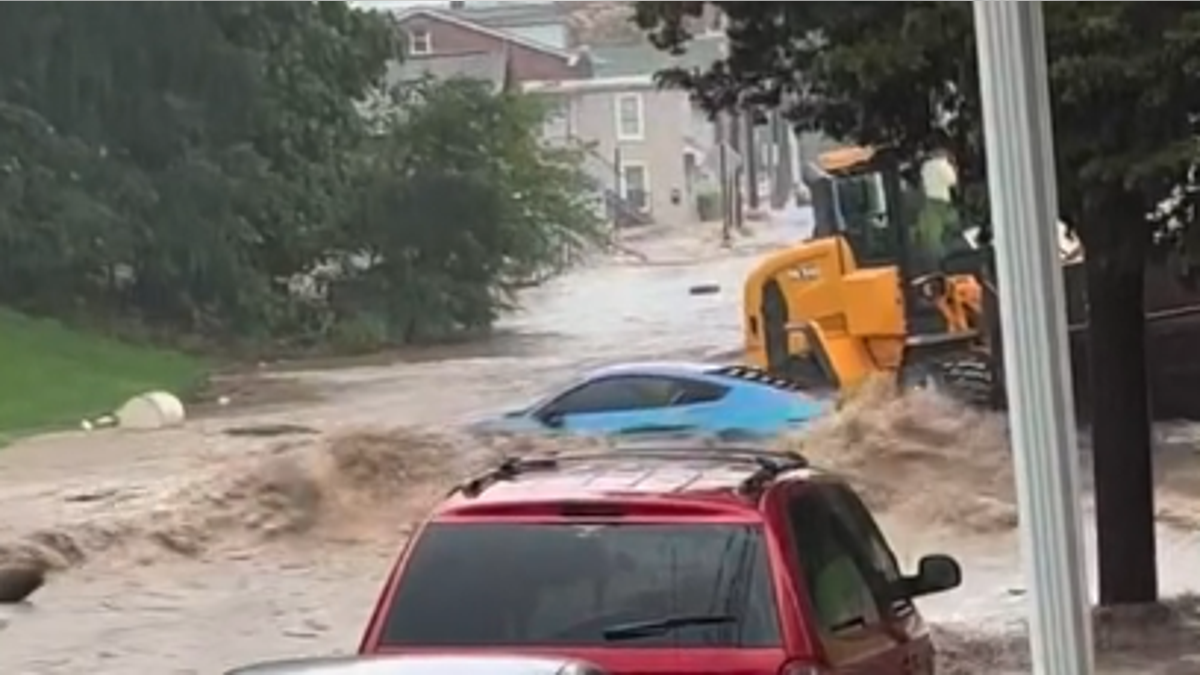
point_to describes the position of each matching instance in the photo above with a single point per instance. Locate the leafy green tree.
(199, 168)
(461, 203)
(218, 133)
(1125, 107)
(319, 59)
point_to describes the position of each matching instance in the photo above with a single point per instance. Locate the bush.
(459, 202)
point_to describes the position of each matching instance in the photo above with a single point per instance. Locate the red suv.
(661, 560)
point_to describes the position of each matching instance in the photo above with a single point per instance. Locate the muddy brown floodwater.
(193, 550)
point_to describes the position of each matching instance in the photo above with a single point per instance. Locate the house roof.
(499, 34)
(644, 58)
(513, 14)
(484, 66)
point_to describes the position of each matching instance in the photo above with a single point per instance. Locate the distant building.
(543, 23)
(438, 39)
(651, 146)
(652, 153)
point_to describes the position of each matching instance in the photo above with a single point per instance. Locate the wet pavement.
(233, 599)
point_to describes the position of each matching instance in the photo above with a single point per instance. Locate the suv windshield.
(637, 585)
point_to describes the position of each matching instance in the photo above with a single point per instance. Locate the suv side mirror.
(935, 574)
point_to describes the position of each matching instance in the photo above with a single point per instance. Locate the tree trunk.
(1121, 432)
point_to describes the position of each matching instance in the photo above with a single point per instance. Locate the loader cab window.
(861, 205)
(890, 214)
(923, 215)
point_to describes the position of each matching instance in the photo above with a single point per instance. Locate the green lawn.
(52, 377)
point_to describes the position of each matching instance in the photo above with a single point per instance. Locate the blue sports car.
(669, 397)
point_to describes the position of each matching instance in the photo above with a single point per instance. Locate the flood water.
(191, 551)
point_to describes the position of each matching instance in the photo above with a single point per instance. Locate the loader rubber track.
(967, 376)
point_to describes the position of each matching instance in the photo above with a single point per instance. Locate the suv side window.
(837, 586)
(868, 537)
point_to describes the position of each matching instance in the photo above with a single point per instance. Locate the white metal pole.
(1024, 201)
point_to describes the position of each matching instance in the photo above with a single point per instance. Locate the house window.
(635, 185)
(630, 124)
(419, 42)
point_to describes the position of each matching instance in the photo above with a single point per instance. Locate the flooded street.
(135, 607)
(191, 550)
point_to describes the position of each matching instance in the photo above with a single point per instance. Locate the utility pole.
(751, 155)
(784, 179)
(771, 163)
(722, 136)
(736, 120)
(616, 202)
(723, 172)
(1010, 38)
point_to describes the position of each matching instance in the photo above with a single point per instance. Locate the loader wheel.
(774, 328)
(968, 377)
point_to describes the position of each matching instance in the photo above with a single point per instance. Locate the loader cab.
(852, 198)
(889, 214)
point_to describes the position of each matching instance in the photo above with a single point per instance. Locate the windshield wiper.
(641, 629)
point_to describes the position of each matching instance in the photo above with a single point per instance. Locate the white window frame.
(412, 42)
(645, 167)
(640, 106)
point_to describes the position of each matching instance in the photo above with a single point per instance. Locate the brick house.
(432, 34)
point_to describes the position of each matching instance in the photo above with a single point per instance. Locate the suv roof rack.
(769, 464)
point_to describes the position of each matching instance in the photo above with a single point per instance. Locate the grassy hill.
(52, 377)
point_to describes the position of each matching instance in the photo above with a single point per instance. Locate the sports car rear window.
(639, 585)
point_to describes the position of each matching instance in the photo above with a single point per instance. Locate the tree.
(212, 135)
(198, 168)
(461, 202)
(1125, 110)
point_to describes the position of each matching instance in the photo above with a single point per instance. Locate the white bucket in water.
(152, 410)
